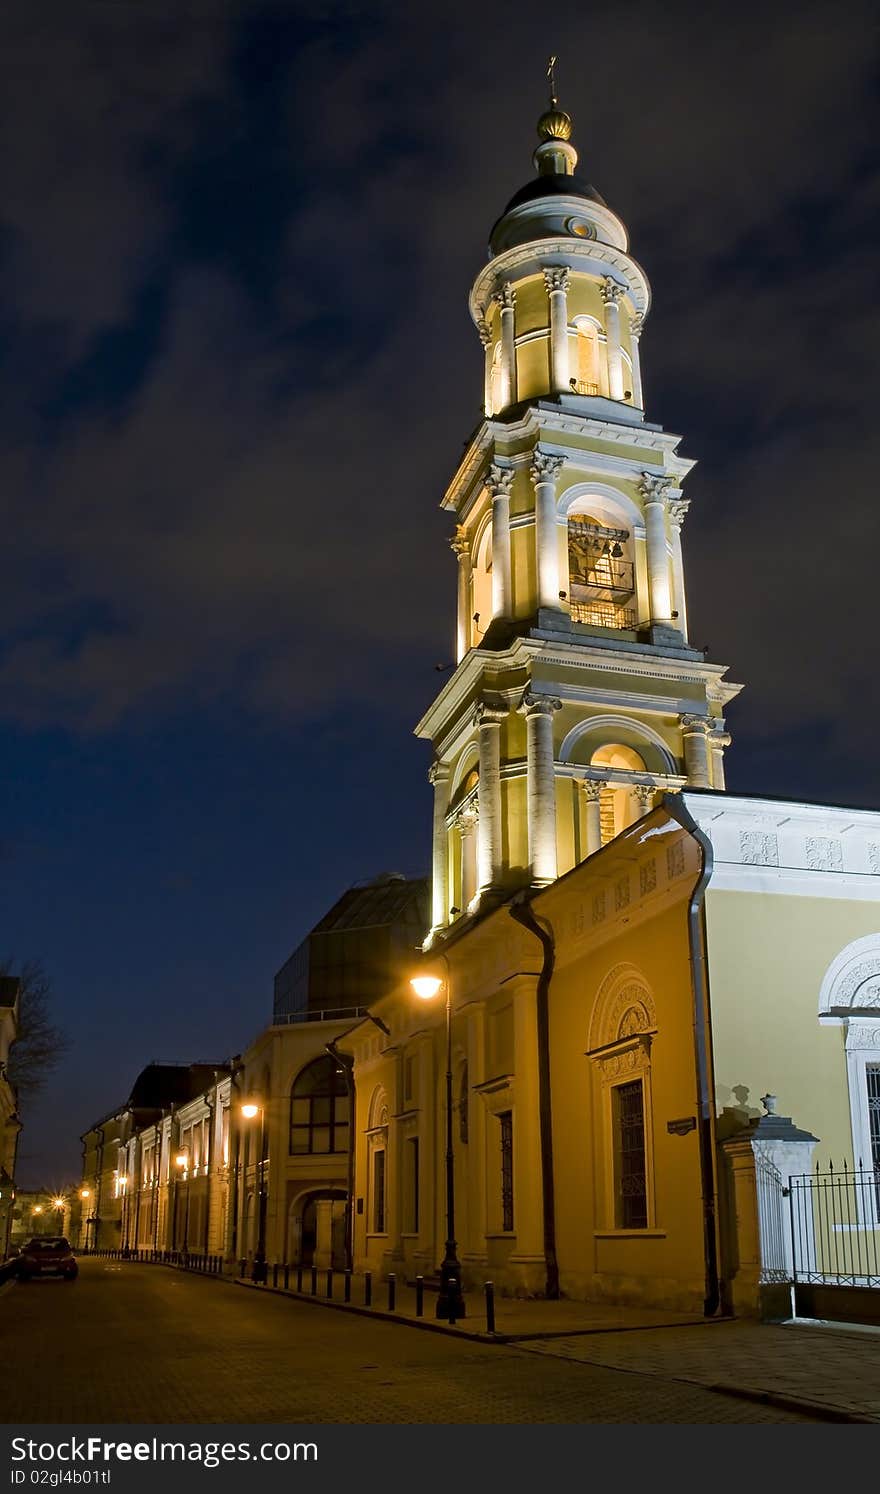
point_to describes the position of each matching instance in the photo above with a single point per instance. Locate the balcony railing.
(584, 386)
(604, 615)
(606, 581)
(331, 1014)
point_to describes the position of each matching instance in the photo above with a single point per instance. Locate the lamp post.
(179, 1163)
(182, 1161)
(250, 1110)
(450, 1302)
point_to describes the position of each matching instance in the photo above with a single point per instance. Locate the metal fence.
(773, 1214)
(835, 1226)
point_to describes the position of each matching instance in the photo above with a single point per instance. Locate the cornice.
(574, 253)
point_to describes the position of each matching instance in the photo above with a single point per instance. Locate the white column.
(486, 339)
(654, 491)
(677, 508)
(541, 785)
(592, 789)
(506, 298)
(635, 331)
(544, 471)
(487, 720)
(612, 295)
(499, 483)
(718, 740)
(467, 824)
(556, 281)
(462, 549)
(438, 775)
(695, 730)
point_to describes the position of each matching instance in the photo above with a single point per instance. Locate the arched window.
(601, 573)
(587, 381)
(319, 1109)
(495, 388)
(481, 616)
(619, 804)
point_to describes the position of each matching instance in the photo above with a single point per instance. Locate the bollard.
(299, 1278)
(392, 1291)
(330, 1283)
(242, 1268)
(489, 1289)
(347, 1287)
(275, 1274)
(420, 1296)
(453, 1289)
(368, 1289)
(314, 1281)
(286, 1277)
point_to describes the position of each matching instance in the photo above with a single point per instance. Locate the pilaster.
(541, 785)
(544, 471)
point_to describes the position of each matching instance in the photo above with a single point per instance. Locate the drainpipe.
(702, 1051)
(235, 1070)
(521, 910)
(346, 1062)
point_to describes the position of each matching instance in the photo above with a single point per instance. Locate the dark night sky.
(238, 369)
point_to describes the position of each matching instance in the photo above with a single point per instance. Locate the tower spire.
(551, 74)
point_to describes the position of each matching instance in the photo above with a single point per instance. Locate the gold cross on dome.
(551, 74)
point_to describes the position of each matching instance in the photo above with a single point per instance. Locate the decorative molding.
(484, 331)
(758, 848)
(861, 1035)
(621, 894)
(505, 296)
(486, 714)
(500, 480)
(675, 860)
(647, 877)
(556, 279)
(823, 854)
(692, 725)
(438, 773)
(460, 544)
(636, 326)
(654, 488)
(592, 788)
(677, 509)
(539, 705)
(612, 291)
(545, 467)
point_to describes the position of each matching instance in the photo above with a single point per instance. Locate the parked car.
(47, 1255)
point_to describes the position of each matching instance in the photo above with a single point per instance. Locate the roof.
(374, 904)
(554, 185)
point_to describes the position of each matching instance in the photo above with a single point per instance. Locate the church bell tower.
(576, 697)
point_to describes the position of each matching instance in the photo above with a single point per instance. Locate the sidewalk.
(825, 1369)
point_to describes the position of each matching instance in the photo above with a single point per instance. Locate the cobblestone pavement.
(835, 1368)
(142, 1344)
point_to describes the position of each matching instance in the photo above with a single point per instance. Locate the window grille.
(506, 1124)
(319, 1108)
(872, 1076)
(379, 1192)
(632, 1193)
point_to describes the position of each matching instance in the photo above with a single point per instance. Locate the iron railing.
(603, 615)
(772, 1195)
(330, 1014)
(584, 386)
(835, 1226)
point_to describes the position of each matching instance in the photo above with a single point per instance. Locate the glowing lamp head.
(85, 1193)
(426, 986)
(249, 1111)
(59, 1203)
(180, 1159)
(38, 1208)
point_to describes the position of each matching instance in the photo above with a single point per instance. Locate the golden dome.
(555, 124)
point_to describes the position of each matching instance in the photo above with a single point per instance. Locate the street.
(147, 1344)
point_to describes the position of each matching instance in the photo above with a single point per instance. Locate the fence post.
(330, 1283)
(368, 1289)
(243, 1268)
(299, 1278)
(314, 1281)
(347, 1286)
(420, 1296)
(392, 1291)
(489, 1289)
(452, 1289)
(286, 1276)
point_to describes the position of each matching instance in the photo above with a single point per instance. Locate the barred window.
(631, 1193)
(505, 1120)
(379, 1192)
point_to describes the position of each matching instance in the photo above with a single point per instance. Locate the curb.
(428, 1325)
(820, 1409)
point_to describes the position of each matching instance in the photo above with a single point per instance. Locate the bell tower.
(577, 696)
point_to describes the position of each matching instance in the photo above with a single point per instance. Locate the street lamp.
(181, 1161)
(250, 1110)
(450, 1302)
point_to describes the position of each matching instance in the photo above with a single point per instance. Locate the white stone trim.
(607, 495)
(613, 723)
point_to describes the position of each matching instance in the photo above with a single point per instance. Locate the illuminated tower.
(577, 696)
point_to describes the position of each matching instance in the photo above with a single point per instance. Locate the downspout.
(235, 1070)
(702, 1051)
(346, 1061)
(209, 1164)
(521, 910)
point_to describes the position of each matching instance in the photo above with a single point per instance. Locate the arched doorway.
(316, 1230)
(619, 802)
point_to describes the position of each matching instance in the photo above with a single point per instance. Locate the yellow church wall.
(532, 368)
(532, 310)
(665, 1263)
(768, 953)
(585, 298)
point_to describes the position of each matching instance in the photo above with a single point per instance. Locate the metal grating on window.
(506, 1122)
(632, 1189)
(872, 1075)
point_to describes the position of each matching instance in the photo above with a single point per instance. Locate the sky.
(238, 370)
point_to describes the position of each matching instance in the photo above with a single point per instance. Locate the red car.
(47, 1255)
